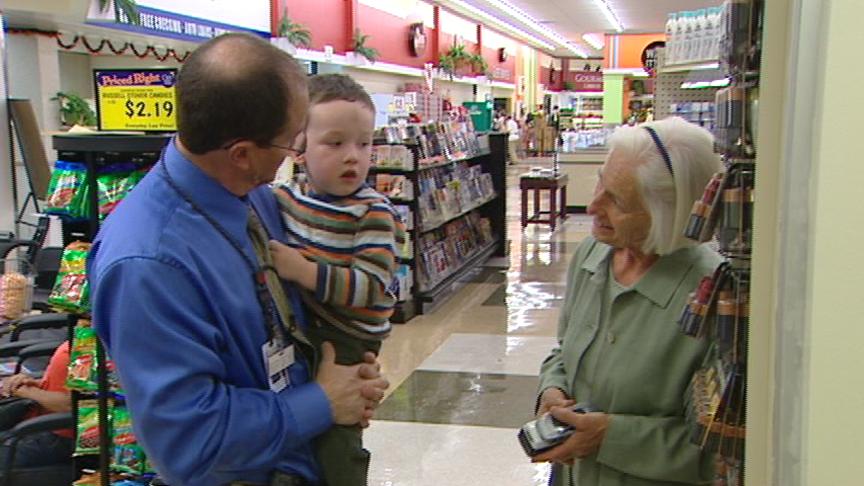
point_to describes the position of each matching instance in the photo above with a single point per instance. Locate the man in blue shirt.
(174, 297)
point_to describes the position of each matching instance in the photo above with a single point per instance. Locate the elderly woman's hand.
(589, 432)
(552, 397)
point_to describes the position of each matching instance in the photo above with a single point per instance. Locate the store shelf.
(696, 66)
(438, 224)
(428, 299)
(389, 170)
(450, 162)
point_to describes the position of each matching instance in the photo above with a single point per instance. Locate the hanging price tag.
(136, 100)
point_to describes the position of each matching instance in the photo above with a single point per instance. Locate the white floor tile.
(411, 454)
(486, 353)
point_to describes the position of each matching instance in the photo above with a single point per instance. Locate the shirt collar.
(329, 198)
(662, 279)
(229, 210)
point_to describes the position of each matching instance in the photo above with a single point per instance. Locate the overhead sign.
(189, 20)
(139, 100)
(585, 80)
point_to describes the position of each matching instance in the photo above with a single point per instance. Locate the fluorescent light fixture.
(500, 23)
(594, 40)
(536, 26)
(610, 15)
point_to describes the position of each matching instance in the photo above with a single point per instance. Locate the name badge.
(278, 359)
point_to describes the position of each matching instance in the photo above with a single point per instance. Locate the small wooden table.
(530, 182)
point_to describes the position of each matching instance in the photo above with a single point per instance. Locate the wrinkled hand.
(353, 391)
(589, 432)
(289, 262)
(553, 397)
(14, 382)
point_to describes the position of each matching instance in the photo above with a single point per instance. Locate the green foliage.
(296, 34)
(74, 110)
(457, 57)
(361, 48)
(128, 7)
(568, 86)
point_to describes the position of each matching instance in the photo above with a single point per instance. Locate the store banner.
(190, 20)
(585, 81)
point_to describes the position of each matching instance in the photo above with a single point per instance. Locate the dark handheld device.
(547, 432)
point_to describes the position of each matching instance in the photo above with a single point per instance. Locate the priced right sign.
(136, 100)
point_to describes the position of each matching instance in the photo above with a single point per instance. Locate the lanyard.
(265, 299)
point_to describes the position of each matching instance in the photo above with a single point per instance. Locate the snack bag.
(71, 291)
(128, 455)
(114, 184)
(87, 434)
(83, 375)
(66, 190)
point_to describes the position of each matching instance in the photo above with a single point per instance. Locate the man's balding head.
(236, 87)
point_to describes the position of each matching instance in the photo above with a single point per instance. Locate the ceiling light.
(498, 22)
(610, 15)
(594, 40)
(535, 25)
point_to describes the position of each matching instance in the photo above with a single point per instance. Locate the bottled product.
(679, 36)
(671, 37)
(715, 18)
(687, 44)
(697, 35)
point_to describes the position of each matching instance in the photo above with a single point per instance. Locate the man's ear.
(240, 154)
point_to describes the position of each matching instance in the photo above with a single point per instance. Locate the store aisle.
(463, 378)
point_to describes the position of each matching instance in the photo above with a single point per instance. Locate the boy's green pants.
(339, 451)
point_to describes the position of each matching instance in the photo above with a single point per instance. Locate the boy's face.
(338, 146)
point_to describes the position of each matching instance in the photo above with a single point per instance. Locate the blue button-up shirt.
(176, 306)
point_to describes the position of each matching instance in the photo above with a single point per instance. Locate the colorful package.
(114, 184)
(87, 436)
(83, 374)
(71, 291)
(67, 190)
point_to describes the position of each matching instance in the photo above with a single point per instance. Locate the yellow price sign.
(136, 100)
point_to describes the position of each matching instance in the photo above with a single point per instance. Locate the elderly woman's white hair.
(668, 199)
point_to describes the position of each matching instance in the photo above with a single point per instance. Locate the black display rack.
(96, 151)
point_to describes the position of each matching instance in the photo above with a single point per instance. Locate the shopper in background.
(207, 346)
(51, 396)
(620, 348)
(512, 140)
(345, 239)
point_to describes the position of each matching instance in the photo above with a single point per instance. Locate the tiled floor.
(463, 378)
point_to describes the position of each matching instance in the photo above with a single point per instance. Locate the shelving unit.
(429, 292)
(96, 151)
(719, 310)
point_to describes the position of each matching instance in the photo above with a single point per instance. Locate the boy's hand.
(293, 266)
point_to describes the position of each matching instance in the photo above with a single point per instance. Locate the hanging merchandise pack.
(128, 455)
(87, 431)
(82, 375)
(114, 182)
(67, 191)
(71, 292)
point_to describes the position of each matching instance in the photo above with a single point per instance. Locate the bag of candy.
(83, 374)
(128, 455)
(71, 291)
(67, 195)
(87, 436)
(115, 182)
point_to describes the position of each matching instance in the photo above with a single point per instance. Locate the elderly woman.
(619, 345)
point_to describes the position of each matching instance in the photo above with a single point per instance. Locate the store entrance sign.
(585, 80)
(139, 100)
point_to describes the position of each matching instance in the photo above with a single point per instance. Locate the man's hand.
(14, 382)
(353, 391)
(291, 265)
(589, 432)
(553, 397)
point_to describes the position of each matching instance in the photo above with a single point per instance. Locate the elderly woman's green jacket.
(629, 358)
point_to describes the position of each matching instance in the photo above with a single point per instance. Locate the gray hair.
(669, 199)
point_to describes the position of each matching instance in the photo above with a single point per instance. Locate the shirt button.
(611, 338)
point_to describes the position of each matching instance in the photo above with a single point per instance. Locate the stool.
(529, 182)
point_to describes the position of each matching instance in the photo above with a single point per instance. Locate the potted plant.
(455, 58)
(361, 49)
(128, 7)
(568, 86)
(74, 110)
(291, 35)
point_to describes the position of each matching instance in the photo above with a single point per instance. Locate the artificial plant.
(296, 34)
(128, 7)
(360, 47)
(74, 110)
(457, 56)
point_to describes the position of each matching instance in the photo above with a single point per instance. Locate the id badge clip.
(278, 358)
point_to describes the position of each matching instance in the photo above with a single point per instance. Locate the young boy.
(347, 237)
